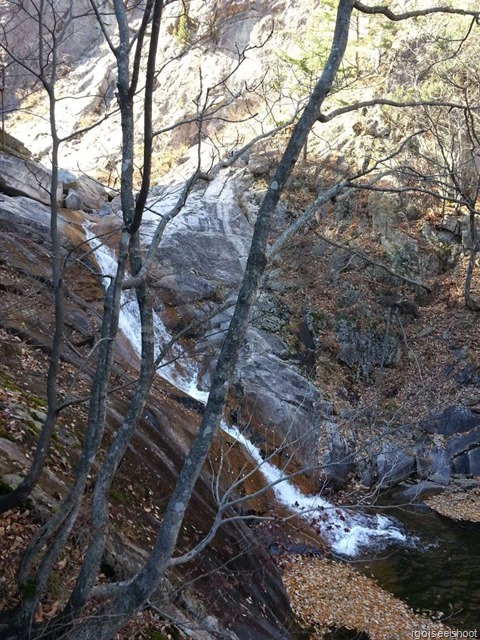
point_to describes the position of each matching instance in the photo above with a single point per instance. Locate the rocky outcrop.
(11, 146)
(447, 443)
(201, 262)
(254, 605)
(276, 398)
(24, 209)
(338, 461)
(21, 177)
(82, 192)
(365, 349)
(203, 252)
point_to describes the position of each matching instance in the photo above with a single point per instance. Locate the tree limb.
(396, 17)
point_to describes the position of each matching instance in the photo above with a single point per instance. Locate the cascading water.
(347, 532)
(181, 371)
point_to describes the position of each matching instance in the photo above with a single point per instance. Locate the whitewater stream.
(438, 574)
(347, 532)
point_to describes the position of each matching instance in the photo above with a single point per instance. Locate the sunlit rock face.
(204, 250)
(21, 177)
(226, 49)
(196, 277)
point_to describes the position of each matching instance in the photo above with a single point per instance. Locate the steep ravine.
(346, 532)
(25, 282)
(369, 379)
(156, 451)
(206, 216)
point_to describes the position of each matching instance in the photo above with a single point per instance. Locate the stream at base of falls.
(431, 563)
(438, 574)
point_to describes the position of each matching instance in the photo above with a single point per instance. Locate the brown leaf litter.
(458, 504)
(327, 595)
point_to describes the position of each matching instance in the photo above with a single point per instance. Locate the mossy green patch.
(155, 635)
(33, 426)
(116, 495)
(7, 436)
(5, 488)
(35, 400)
(171, 632)
(6, 383)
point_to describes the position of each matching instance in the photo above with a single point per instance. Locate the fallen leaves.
(326, 594)
(457, 505)
(16, 530)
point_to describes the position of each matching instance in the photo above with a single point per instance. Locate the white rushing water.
(181, 371)
(347, 531)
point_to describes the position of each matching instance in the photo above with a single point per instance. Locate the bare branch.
(326, 117)
(396, 17)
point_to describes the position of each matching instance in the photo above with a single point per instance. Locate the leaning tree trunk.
(469, 301)
(128, 598)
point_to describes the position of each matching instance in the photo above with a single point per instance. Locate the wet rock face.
(201, 262)
(276, 395)
(204, 249)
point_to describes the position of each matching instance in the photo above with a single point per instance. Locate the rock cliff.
(360, 364)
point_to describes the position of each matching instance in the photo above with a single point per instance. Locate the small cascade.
(347, 532)
(181, 371)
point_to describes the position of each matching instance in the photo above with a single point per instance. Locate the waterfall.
(347, 531)
(181, 371)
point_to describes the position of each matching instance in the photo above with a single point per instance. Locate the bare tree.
(53, 29)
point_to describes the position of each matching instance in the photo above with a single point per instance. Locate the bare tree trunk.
(469, 301)
(29, 482)
(128, 599)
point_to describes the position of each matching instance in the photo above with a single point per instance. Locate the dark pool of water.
(440, 571)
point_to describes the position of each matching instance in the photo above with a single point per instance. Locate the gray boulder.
(456, 444)
(68, 179)
(474, 461)
(92, 193)
(338, 460)
(21, 177)
(452, 420)
(393, 465)
(461, 464)
(73, 200)
(463, 442)
(82, 192)
(440, 465)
